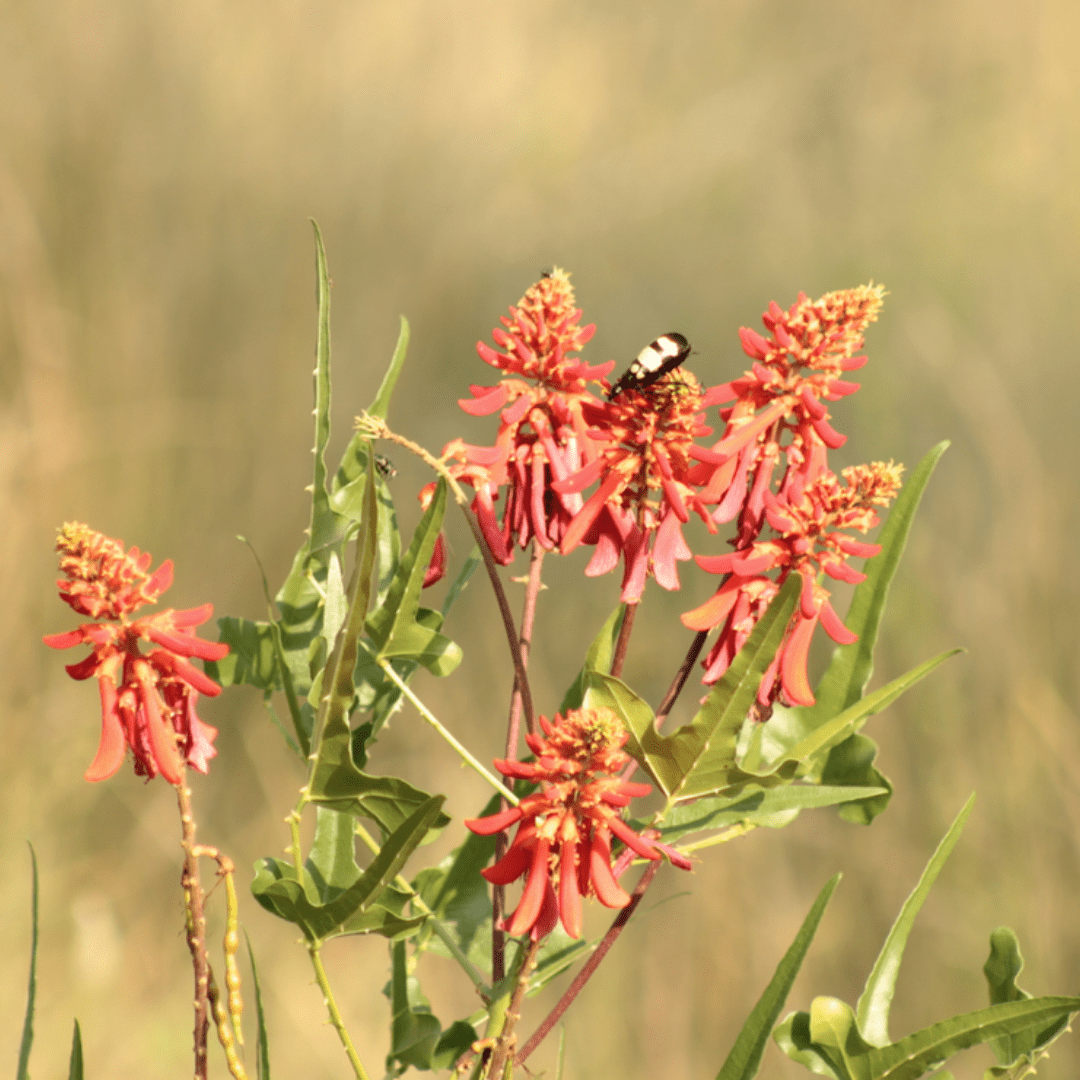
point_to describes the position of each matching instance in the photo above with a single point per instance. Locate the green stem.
(437, 925)
(335, 1015)
(426, 713)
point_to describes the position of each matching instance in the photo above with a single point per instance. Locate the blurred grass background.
(689, 163)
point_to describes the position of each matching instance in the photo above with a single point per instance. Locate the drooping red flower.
(148, 700)
(563, 841)
(542, 434)
(808, 540)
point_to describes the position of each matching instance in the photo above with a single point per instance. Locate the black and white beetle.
(665, 354)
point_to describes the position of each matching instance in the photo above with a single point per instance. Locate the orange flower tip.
(496, 823)
(63, 641)
(192, 616)
(754, 345)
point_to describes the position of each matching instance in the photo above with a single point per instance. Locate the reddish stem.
(513, 730)
(196, 929)
(591, 965)
(623, 642)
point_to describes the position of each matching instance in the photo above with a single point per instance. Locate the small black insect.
(385, 467)
(665, 354)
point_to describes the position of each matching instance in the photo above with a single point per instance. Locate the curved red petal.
(569, 896)
(110, 751)
(608, 891)
(533, 896)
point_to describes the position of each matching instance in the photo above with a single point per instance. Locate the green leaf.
(768, 807)
(790, 742)
(598, 658)
(417, 1037)
(396, 627)
(467, 570)
(873, 1005)
(324, 914)
(252, 659)
(414, 1031)
(1001, 969)
(852, 665)
(919, 1053)
(262, 1044)
(851, 763)
(835, 1034)
(75, 1062)
(699, 758)
(380, 407)
(31, 991)
(792, 1035)
(454, 890)
(744, 1060)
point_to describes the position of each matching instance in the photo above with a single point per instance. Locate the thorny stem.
(376, 428)
(504, 1045)
(513, 725)
(430, 717)
(591, 964)
(332, 1009)
(623, 642)
(196, 928)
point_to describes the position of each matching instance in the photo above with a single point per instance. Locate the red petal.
(64, 641)
(162, 739)
(631, 839)
(488, 826)
(569, 896)
(832, 625)
(533, 896)
(715, 610)
(110, 751)
(485, 404)
(608, 891)
(160, 579)
(793, 664)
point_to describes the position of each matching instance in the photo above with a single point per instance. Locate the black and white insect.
(665, 354)
(385, 467)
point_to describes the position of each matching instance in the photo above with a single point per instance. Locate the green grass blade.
(262, 1045)
(745, 1058)
(75, 1064)
(31, 991)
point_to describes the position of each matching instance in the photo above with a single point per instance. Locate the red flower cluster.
(768, 470)
(147, 701)
(556, 438)
(563, 840)
(778, 411)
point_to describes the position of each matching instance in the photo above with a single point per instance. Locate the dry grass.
(688, 164)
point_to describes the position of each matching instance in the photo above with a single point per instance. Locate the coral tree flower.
(542, 435)
(147, 700)
(649, 482)
(563, 841)
(778, 413)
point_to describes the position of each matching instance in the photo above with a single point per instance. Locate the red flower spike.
(563, 840)
(147, 701)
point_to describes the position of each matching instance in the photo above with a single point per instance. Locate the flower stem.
(376, 428)
(623, 642)
(335, 1014)
(195, 918)
(590, 966)
(513, 730)
(506, 1039)
(430, 717)
(681, 676)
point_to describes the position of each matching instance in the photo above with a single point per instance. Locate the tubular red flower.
(147, 701)
(563, 840)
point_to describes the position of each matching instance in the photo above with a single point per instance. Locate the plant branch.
(195, 918)
(513, 731)
(590, 965)
(376, 428)
(681, 676)
(504, 1044)
(430, 717)
(623, 642)
(335, 1013)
